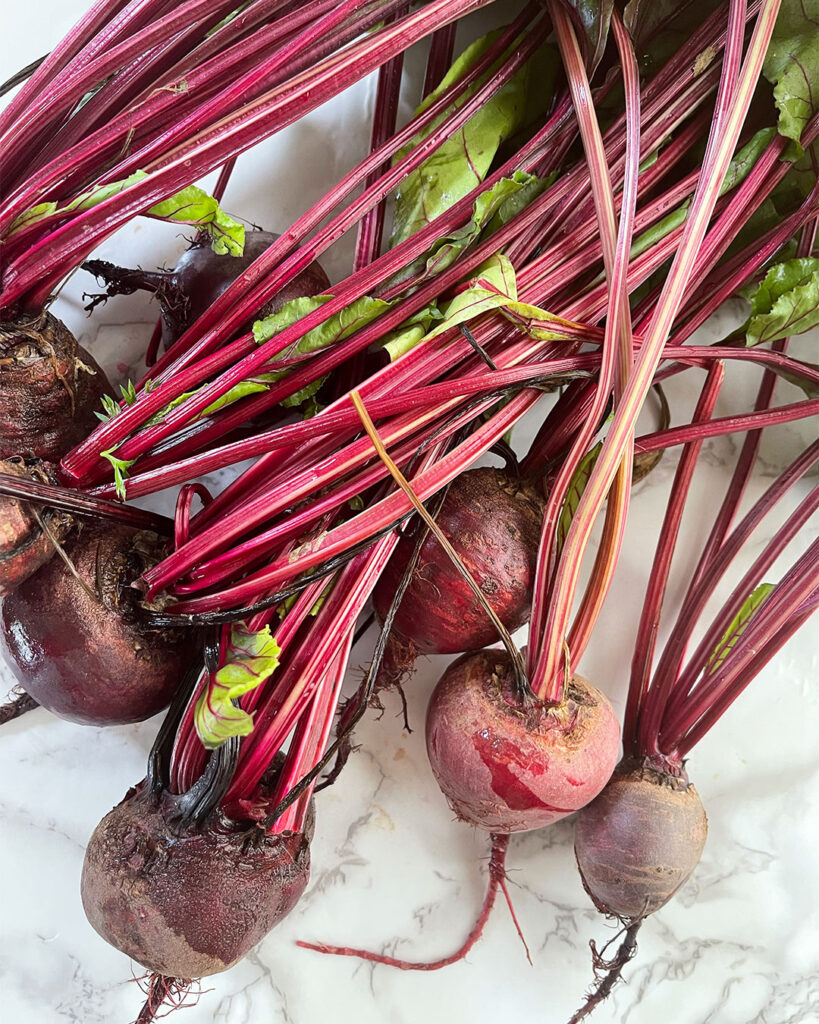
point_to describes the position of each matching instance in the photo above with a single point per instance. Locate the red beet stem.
(658, 579)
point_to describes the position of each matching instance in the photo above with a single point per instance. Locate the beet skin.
(494, 524)
(85, 652)
(50, 389)
(507, 765)
(24, 546)
(188, 902)
(201, 276)
(639, 841)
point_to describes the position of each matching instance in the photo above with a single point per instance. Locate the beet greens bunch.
(573, 197)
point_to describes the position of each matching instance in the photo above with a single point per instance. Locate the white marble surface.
(391, 869)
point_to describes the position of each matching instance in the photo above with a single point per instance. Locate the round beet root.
(187, 903)
(639, 841)
(494, 523)
(80, 646)
(50, 388)
(24, 546)
(509, 765)
(201, 276)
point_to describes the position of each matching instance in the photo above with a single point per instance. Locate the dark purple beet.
(187, 903)
(82, 649)
(494, 524)
(24, 546)
(200, 277)
(639, 841)
(50, 389)
(507, 764)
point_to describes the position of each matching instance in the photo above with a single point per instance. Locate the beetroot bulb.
(189, 901)
(200, 277)
(639, 841)
(27, 538)
(493, 521)
(50, 388)
(507, 762)
(77, 641)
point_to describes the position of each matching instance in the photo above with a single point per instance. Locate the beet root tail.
(163, 995)
(18, 704)
(608, 971)
(497, 880)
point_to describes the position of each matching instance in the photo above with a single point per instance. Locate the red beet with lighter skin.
(509, 765)
(639, 841)
(50, 389)
(80, 647)
(188, 902)
(494, 524)
(24, 545)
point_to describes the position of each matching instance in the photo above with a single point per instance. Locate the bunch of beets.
(575, 194)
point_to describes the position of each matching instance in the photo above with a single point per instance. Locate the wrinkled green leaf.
(190, 206)
(786, 302)
(493, 285)
(488, 204)
(464, 159)
(739, 624)
(408, 334)
(792, 67)
(195, 207)
(515, 202)
(251, 658)
(338, 327)
(577, 486)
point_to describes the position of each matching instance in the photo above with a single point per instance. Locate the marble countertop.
(392, 870)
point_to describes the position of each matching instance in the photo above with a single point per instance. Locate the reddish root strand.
(608, 971)
(497, 879)
(166, 995)
(18, 704)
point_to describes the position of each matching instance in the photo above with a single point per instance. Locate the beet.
(494, 523)
(50, 388)
(639, 841)
(24, 546)
(200, 277)
(83, 649)
(510, 764)
(188, 902)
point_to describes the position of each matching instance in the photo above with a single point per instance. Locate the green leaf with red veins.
(786, 302)
(493, 286)
(463, 160)
(250, 659)
(792, 66)
(739, 624)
